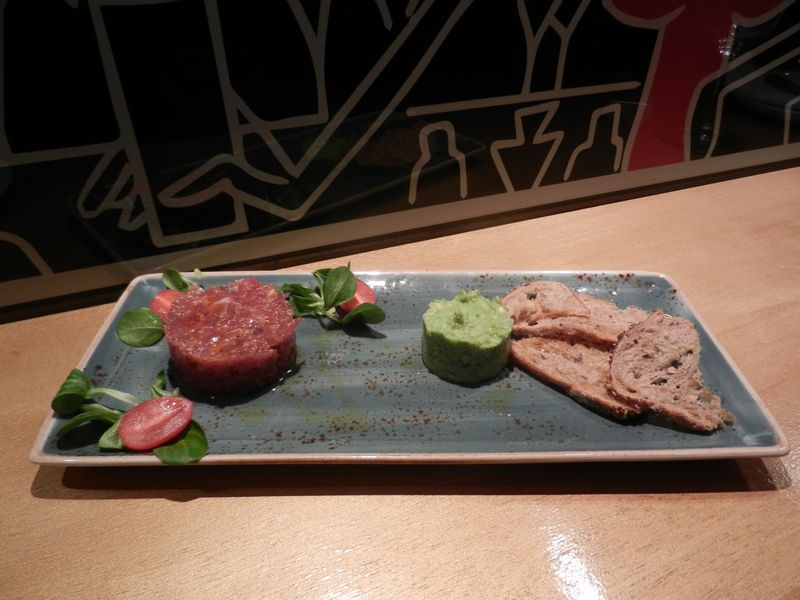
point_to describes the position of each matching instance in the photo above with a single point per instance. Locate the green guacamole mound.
(466, 340)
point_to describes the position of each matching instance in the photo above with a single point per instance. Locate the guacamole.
(466, 340)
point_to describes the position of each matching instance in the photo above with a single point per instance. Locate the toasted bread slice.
(529, 303)
(601, 327)
(655, 366)
(582, 371)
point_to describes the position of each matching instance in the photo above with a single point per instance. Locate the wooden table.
(704, 529)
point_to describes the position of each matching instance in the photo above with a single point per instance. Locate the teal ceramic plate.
(365, 395)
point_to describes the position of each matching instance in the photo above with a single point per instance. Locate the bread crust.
(529, 303)
(581, 370)
(655, 367)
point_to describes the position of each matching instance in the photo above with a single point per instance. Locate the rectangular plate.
(366, 396)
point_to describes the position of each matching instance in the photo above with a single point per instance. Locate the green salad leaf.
(110, 440)
(159, 386)
(72, 393)
(139, 327)
(335, 286)
(189, 447)
(366, 312)
(77, 389)
(338, 286)
(304, 301)
(175, 280)
(90, 412)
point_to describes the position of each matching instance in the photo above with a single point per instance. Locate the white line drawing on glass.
(550, 21)
(541, 136)
(133, 174)
(381, 118)
(131, 192)
(616, 140)
(787, 118)
(411, 7)
(172, 198)
(565, 32)
(125, 145)
(114, 199)
(527, 98)
(733, 86)
(383, 7)
(235, 105)
(729, 65)
(660, 26)
(11, 158)
(134, 167)
(293, 214)
(425, 156)
(28, 250)
(315, 39)
(532, 39)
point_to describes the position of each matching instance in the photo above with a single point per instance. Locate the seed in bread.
(582, 371)
(655, 367)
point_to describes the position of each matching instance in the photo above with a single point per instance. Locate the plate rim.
(781, 447)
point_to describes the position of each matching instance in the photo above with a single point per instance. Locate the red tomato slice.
(364, 293)
(155, 422)
(163, 301)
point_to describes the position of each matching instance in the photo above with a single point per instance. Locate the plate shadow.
(187, 483)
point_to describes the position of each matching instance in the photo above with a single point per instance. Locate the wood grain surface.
(701, 529)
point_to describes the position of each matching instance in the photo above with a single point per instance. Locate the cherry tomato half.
(163, 301)
(155, 422)
(364, 293)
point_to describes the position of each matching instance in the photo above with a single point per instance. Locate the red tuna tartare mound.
(232, 338)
